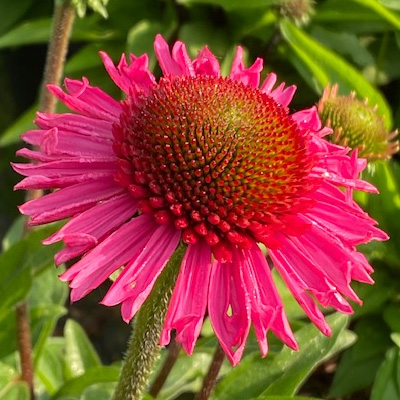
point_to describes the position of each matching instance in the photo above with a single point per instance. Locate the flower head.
(217, 162)
(357, 125)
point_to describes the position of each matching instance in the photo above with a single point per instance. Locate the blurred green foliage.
(355, 43)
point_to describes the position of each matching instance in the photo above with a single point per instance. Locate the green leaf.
(39, 318)
(387, 382)
(50, 368)
(359, 364)
(76, 386)
(233, 4)
(284, 373)
(387, 15)
(328, 67)
(385, 207)
(8, 374)
(24, 123)
(11, 14)
(99, 391)
(394, 4)
(284, 398)
(19, 261)
(80, 354)
(15, 391)
(396, 338)
(36, 31)
(186, 376)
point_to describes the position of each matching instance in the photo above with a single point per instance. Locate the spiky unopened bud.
(297, 10)
(356, 124)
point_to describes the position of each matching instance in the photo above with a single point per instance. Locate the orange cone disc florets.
(219, 159)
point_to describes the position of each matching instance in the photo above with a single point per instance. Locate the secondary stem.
(211, 378)
(144, 345)
(63, 19)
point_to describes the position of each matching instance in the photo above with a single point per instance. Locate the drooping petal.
(74, 123)
(266, 305)
(87, 100)
(69, 201)
(55, 142)
(115, 251)
(86, 230)
(229, 308)
(189, 299)
(137, 279)
(305, 272)
(63, 173)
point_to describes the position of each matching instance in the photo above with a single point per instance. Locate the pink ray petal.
(206, 63)
(69, 201)
(180, 55)
(309, 276)
(125, 76)
(62, 168)
(86, 230)
(266, 305)
(168, 65)
(112, 253)
(248, 76)
(75, 123)
(186, 310)
(283, 95)
(229, 308)
(137, 279)
(268, 83)
(54, 141)
(88, 100)
(306, 303)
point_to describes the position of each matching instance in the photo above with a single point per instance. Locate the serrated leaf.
(328, 67)
(80, 353)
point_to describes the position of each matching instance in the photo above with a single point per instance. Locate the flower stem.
(62, 26)
(63, 19)
(211, 378)
(24, 346)
(144, 347)
(173, 353)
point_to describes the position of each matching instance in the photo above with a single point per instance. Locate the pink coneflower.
(216, 162)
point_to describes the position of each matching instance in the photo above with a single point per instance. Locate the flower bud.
(356, 124)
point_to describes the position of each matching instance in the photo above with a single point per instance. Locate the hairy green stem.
(144, 347)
